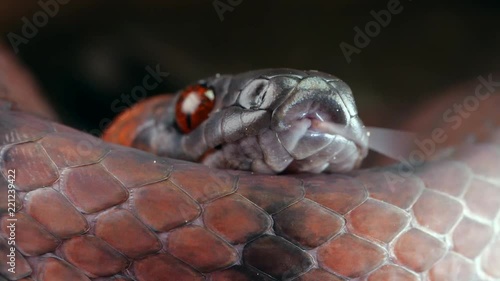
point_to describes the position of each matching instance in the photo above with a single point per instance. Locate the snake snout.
(313, 98)
(315, 126)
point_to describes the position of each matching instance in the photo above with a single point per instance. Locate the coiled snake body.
(90, 210)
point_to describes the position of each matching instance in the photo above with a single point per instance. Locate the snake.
(253, 176)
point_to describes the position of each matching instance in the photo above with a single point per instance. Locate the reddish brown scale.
(188, 121)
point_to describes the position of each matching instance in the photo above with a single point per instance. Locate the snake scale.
(86, 209)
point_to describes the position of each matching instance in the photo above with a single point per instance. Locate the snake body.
(86, 209)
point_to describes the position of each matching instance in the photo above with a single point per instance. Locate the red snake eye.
(193, 107)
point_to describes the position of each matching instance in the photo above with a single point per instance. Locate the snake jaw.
(315, 150)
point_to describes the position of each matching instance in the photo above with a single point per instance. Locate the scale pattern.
(89, 210)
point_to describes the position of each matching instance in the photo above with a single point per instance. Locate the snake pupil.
(193, 107)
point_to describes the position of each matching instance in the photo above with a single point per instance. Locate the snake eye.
(193, 107)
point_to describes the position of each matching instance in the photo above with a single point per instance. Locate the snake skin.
(89, 210)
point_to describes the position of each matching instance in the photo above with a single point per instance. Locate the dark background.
(93, 51)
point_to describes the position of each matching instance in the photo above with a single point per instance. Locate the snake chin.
(316, 151)
(300, 149)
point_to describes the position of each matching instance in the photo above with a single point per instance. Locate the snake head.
(266, 121)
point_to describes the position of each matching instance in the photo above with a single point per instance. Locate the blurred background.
(87, 54)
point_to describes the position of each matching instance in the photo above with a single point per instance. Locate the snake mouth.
(316, 130)
(313, 144)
